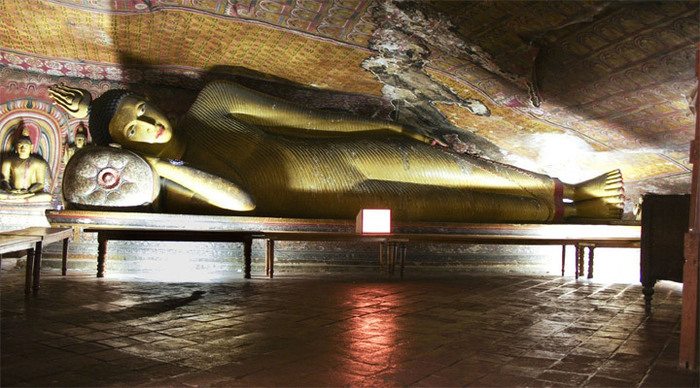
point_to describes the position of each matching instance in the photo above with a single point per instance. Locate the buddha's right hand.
(75, 101)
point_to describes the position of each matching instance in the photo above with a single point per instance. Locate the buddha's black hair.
(102, 109)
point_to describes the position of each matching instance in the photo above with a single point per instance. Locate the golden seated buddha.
(80, 140)
(244, 151)
(23, 175)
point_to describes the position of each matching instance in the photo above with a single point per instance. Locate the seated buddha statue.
(79, 141)
(238, 151)
(23, 175)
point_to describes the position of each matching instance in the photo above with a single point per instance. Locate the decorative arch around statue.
(46, 126)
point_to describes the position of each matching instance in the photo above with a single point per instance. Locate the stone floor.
(438, 330)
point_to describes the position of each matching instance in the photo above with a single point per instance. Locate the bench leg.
(590, 261)
(388, 258)
(563, 259)
(37, 268)
(382, 248)
(403, 258)
(247, 248)
(64, 258)
(267, 258)
(397, 256)
(101, 255)
(270, 258)
(28, 271)
(392, 258)
(578, 261)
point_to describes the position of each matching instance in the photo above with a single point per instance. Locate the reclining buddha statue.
(238, 151)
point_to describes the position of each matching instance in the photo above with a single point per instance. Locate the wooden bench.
(9, 243)
(35, 238)
(393, 246)
(626, 238)
(388, 253)
(180, 227)
(104, 235)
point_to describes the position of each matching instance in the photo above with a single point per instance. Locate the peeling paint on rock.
(459, 146)
(403, 43)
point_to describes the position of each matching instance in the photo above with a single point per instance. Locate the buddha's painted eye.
(131, 131)
(141, 109)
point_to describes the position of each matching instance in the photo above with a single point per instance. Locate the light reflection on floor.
(372, 331)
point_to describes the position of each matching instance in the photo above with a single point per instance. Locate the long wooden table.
(393, 246)
(10, 243)
(624, 240)
(181, 227)
(389, 244)
(104, 235)
(37, 237)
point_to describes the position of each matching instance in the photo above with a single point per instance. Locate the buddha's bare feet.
(607, 207)
(600, 197)
(603, 186)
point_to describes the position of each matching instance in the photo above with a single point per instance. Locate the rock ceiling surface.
(570, 88)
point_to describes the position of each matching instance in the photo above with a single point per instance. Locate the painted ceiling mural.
(567, 88)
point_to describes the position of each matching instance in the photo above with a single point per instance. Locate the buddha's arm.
(276, 114)
(212, 189)
(5, 171)
(36, 188)
(39, 172)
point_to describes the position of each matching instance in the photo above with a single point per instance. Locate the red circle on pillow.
(108, 178)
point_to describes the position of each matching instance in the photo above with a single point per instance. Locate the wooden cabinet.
(664, 224)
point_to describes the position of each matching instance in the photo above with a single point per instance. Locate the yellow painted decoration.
(175, 37)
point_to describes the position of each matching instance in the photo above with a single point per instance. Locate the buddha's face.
(136, 120)
(24, 149)
(80, 141)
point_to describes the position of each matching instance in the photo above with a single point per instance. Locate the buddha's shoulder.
(38, 160)
(221, 87)
(214, 95)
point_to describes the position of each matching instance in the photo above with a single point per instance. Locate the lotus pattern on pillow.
(106, 177)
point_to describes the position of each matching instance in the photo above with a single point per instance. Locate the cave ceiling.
(570, 88)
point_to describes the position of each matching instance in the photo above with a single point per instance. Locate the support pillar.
(688, 353)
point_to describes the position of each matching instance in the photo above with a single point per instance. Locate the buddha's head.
(24, 148)
(24, 145)
(123, 117)
(80, 141)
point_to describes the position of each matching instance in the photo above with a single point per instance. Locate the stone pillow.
(108, 178)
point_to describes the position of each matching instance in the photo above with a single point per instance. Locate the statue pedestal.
(13, 218)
